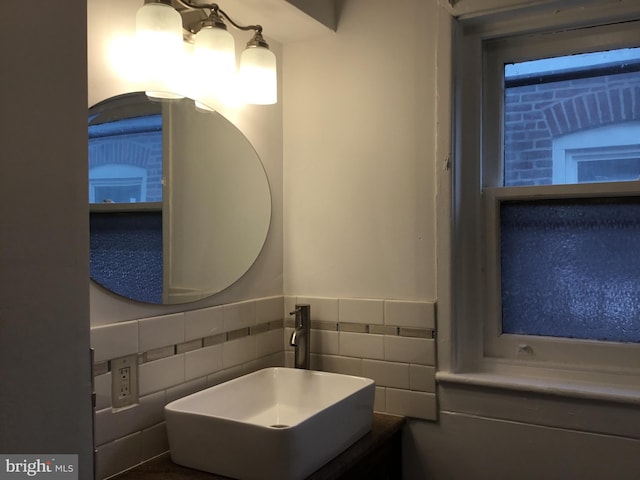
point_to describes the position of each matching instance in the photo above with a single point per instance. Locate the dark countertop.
(382, 429)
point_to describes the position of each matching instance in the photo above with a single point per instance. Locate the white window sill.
(628, 394)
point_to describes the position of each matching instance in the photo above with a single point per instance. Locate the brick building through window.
(573, 125)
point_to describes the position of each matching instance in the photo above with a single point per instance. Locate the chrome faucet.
(300, 337)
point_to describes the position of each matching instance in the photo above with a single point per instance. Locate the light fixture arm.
(216, 9)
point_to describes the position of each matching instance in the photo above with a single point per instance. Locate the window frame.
(590, 354)
(116, 175)
(480, 346)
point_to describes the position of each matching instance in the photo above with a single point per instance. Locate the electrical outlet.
(124, 381)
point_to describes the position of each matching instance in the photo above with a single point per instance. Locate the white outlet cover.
(117, 399)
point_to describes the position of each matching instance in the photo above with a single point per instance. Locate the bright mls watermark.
(50, 467)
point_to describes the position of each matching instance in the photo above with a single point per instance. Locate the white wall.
(359, 140)
(262, 125)
(45, 403)
(471, 447)
(361, 161)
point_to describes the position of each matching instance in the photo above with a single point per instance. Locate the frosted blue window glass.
(126, 254)
(571, 268)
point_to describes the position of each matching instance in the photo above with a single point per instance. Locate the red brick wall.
(537, 114)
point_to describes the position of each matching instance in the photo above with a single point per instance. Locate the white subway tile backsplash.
(322, 309)
(386, 340)
(154, 441)
(238, 351)
(205, 322)
(102, 388)
(409, 350)
(239, 315)
(184, 389)
(268, 343)
(114, 341)
(362, 345)
(108, 430)
(202, 362)
(113, 424)
(422, 378)
(359, 310)
(409, 314)
(152, 409)
(269, 309)
(224, 375)
(273, 360)
(325, 341)
(411, 404)
(386, 374)
(119, 455)
(161, 331)
(336, 364)
(380, 400)
(161, 374)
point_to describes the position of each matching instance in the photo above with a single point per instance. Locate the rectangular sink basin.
(276, 423)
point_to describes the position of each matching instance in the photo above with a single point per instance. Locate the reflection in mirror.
(179, 200)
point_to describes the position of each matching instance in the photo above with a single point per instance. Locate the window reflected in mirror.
(125, 159)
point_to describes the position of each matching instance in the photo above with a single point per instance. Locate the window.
(548, 203)
(117, 184)
(125, 160)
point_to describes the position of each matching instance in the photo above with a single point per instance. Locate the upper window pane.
(573, 119)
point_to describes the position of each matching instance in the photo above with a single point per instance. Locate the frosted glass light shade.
(159, 39)
(258, 76)
(214, 62)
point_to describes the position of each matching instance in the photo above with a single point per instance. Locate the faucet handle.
(301, 308)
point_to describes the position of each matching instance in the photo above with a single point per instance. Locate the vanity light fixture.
(201, 62)
(159, 47)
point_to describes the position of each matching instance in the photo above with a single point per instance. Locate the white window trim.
(464, 356)
(622, 141)
(117, 175)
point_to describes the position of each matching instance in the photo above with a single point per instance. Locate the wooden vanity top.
(384, 427)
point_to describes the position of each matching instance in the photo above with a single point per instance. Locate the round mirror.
(179, 200)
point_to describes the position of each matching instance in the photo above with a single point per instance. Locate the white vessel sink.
(273, 424)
